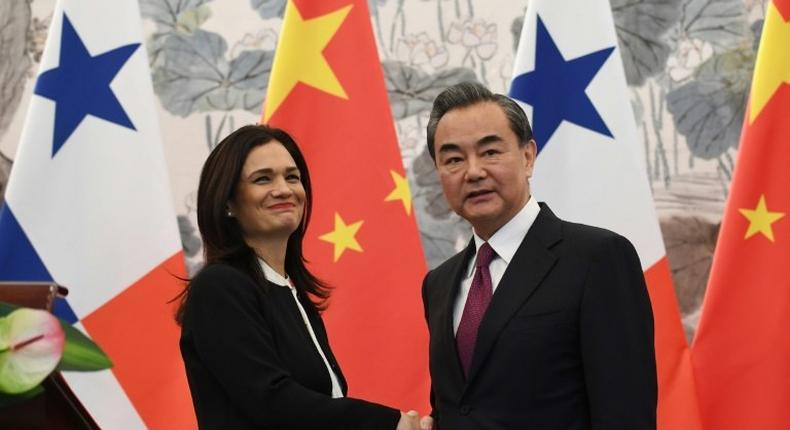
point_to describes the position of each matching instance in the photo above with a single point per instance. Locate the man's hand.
(426, 423)
(411, 421)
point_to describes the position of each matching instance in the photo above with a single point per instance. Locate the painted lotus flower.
(475, 35)
(689, 55)
(419, 49)
(31, 345)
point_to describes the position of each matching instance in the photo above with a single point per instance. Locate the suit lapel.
(529, 266)
(453, 277)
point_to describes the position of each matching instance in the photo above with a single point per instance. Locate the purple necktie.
(476, 303)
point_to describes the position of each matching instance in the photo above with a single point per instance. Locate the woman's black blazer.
(251, 363)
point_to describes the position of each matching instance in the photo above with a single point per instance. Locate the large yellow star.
(300, 56)
(343, 236)
(772, 67)
(760, 219)
(401, 191)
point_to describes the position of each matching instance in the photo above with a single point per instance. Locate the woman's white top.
(273, 276)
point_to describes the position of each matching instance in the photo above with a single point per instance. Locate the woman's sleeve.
(234, 341)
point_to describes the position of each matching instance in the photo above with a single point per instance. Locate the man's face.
(483, 170)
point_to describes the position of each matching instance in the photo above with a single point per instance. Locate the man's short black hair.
(468, 94)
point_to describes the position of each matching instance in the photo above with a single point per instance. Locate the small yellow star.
(343, 236)
(401, 191)
(760, 219)
(772, 67)
(300, 56)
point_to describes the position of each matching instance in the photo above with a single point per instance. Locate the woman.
(252, 339)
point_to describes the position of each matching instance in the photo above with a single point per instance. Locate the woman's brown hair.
(222, 237)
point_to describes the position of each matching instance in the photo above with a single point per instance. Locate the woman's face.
(269, 200)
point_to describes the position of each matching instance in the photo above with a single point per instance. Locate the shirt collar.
(272, 275)
(508, 238)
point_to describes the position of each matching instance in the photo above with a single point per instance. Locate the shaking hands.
(411, 421)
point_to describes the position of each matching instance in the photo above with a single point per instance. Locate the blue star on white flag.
(556, 88)
(80, 85)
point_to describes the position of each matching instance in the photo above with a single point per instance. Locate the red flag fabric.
(327, 90)
(741, 353)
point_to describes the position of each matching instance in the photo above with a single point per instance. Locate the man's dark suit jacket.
(566, 343)
(251, 363)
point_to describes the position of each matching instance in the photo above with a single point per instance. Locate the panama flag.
(569, 78)
(88, 206)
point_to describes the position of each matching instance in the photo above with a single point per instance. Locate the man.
(539, 323)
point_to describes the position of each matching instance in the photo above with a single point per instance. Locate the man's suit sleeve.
(426, 308)
(616, 326)
(234, 341)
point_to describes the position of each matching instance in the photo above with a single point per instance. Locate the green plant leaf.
(80, 353)
(6, 309)
(9, 399)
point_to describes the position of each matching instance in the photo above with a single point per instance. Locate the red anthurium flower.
(31, 344)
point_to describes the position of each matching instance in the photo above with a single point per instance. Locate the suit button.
(465, 409)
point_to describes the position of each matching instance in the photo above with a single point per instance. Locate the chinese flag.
(741, 353)
(327, 90)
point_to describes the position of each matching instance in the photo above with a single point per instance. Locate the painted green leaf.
(268, 9)
(641, 26)
(709, 110)
(192, 74)
(173, 14)
(412, 91)
(15, 20)
(721, 22)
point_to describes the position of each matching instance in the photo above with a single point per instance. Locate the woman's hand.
(411, 421)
